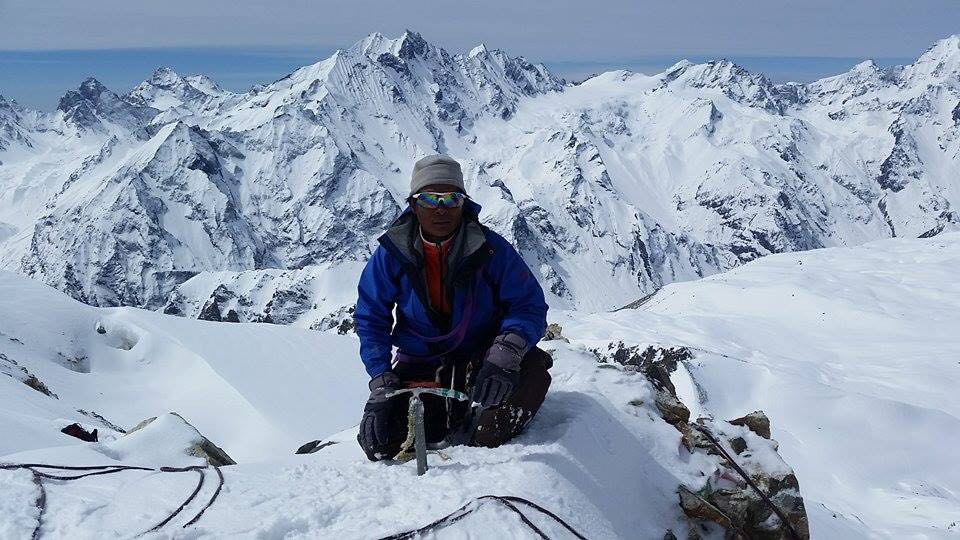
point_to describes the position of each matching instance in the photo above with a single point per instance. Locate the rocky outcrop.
(728, 499)
(196, 444)
(725, 497)
(756, 422)
(554, 332)
(11, 368)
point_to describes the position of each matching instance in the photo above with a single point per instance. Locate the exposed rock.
(656, 364)
(346, 326)
(102, 420)
(725, 498)
(671, 409)
(33, 382)
(10, 368)
(78, 362)
(210, 311)
(554, 331)
(642, 357)
(696, 507)
(738, 444)
(341, 319)
(199, 446)
(756, 422)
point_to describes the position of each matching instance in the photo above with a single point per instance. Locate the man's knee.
(498, 425)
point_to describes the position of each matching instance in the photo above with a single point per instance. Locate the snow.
(259, 391)
(17, 504)
(179, 196)
(852, 352)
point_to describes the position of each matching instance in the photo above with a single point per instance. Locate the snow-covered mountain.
(612, 188)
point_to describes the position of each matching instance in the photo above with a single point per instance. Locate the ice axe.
(416, 431)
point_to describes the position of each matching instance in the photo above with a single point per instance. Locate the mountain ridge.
(611, 187)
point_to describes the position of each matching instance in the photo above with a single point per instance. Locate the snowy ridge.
(859, 341)
(854, 341)
(613, 187)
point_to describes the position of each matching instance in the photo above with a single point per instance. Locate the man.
(468, 316)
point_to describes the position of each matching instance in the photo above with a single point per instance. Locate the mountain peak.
(867, 66)
(410, 44)
(479, 50)
(735, 81)
(941, 61)
(165, 76)
(944, 48)
(91, 88)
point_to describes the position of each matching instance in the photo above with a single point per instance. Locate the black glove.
(375, 424)
(499, 375)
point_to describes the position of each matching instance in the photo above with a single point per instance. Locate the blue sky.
(50, 46)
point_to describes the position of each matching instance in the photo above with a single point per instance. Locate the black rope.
(445, 521)
(525, 519)
(76, 477)
(474, 505)
(213, 498)
(543, 510)
(766, 499)
(41, 502)
(70, 467)
(180, 508)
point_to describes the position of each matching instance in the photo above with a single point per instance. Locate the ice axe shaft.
(420, 435)
(415, 422)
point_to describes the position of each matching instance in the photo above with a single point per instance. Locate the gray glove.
(499, 374)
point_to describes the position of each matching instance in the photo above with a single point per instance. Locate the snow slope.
(259, 391)
(146, 364)
(853, 352)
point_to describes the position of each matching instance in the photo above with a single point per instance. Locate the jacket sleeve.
(520, 295)
(378, 291)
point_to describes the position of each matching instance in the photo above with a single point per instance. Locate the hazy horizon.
(37, 79)
(48, 47)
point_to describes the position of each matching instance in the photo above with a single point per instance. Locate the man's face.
(439, 222)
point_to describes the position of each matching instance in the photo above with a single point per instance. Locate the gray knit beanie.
(436, 169)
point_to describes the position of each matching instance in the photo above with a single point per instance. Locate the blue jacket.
(487, 279)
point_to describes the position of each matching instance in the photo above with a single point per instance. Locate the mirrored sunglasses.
(427, 199)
